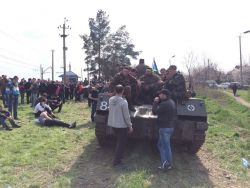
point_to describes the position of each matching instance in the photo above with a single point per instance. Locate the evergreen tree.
(105, 50)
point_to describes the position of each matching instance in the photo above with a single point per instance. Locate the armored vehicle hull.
(190, 128)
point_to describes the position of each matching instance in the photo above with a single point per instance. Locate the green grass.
(37, 156)
(228, 136)
(245, 94)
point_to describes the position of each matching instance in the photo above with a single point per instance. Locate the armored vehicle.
(190, 128)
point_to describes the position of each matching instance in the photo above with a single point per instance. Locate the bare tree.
(189, 61)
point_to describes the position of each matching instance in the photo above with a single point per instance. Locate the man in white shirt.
(45, 118)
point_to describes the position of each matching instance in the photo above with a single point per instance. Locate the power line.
(13, 53)
(13, 64)
(16, 60)
(18, 41)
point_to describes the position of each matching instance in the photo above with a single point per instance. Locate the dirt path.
(239, 99)
(200, 170)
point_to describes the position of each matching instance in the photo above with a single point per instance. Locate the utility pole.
(41, 72)
(241, 77)
(81, 74)
(64, 27)
(52, 64)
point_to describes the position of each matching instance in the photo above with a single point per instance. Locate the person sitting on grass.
(53, 102)
(4, 116)
(46, 117)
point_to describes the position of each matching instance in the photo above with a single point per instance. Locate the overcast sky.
(158, 28)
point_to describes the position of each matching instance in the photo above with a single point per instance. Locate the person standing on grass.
(93, 95)
(165, 108)
(234, 88)
(34, 90)
(119, 120)
(12, 91)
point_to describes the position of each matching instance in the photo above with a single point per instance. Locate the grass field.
(36, 156)
(244, 94)
(229, 130)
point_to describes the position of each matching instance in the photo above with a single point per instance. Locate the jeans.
(33, 99)
(28, 93)
(13, 105)
(22, 93)
(121, 136)
(57, 122)
(164, 144)
(3, 122)
(5, 101)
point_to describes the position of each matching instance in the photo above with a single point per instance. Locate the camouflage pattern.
(177, 86)
(150, 86)
(123, 80)
(141, 69)
(150, 80)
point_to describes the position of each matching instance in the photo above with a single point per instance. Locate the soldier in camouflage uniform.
(176, 84)
(129, 82)
(151, 83)
(141, 68)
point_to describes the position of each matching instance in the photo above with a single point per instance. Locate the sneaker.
(73, 125)
(165, 166)
(161, 167)
(16, 126)
(8, 128)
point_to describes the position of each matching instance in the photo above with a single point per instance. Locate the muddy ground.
(93, 169)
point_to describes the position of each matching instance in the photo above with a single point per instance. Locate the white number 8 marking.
(104, 105)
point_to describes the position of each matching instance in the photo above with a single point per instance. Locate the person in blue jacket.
(12, 92)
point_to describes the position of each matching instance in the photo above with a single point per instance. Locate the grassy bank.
(244, 94)
(228, 136)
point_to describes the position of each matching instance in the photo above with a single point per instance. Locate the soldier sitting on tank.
(176, 84)
(151, 83)
(129, 82)
(163, 74)
(141, 68)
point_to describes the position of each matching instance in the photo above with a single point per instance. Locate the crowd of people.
(129, 87)
(33, 91)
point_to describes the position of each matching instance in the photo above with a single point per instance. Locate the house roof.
(70, 74)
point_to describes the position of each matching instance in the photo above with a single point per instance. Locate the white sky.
(159, 28)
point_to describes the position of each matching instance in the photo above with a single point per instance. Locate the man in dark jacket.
(151, 83)
(165, 108)
(176, 84)
(129, 83)
(27, 87)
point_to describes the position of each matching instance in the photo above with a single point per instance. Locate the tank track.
(100, 132)
(198, 141)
